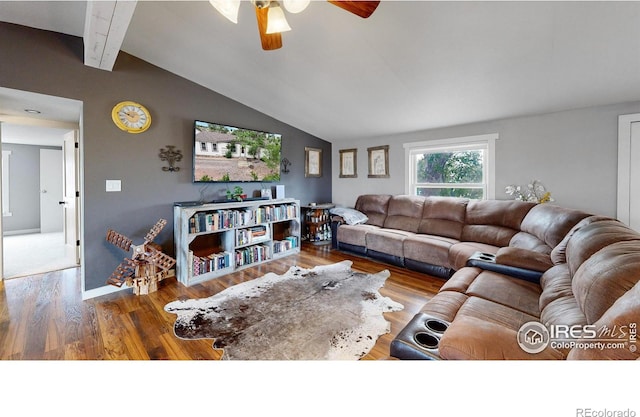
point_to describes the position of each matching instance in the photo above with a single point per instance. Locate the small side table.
(317, 223)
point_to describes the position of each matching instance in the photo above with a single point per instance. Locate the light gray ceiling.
(413, 65)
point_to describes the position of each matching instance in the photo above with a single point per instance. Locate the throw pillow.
(350, 216)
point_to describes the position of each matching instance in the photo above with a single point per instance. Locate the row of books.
(251, 234)
(205, 264)
(211, 221)
(288, 243)
(252, 254)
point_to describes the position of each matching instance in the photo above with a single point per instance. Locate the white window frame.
(485, 142)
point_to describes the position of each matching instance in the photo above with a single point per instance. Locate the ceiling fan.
(271, 18)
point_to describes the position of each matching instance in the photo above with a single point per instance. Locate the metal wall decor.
(171, 155)
(285, 165)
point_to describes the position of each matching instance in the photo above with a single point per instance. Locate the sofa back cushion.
(404, 212)
(374, 206)
(559, 253)
(544, 227)
(494, 222)
(593, 237)
(605, 277)
(443, 216)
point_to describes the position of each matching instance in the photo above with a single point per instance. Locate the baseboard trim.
(20, 232)
(98, 292)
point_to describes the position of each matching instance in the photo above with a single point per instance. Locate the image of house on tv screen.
(231, 154)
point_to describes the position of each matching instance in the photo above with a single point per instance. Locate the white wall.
(573, 153)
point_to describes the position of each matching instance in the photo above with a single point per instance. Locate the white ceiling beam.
(105, 26)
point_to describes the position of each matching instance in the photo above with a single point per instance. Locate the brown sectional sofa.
(540, 264)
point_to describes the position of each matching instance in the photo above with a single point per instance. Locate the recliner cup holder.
(487, 257)
(426, 340)
(435, 325)
(420, 338)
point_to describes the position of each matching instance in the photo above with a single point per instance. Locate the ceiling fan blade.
(269, 41)
(363, 9)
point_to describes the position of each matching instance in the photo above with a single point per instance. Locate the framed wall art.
(312, 162)
(348, 163)
(379, 161)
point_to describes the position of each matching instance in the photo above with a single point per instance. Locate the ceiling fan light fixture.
(276, 22)
(228, 8)
(295, 6)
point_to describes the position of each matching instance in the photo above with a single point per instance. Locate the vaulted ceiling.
(413, 65)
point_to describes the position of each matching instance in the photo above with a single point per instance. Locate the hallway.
(36, 253)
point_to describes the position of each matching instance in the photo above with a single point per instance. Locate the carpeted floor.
(35, 253)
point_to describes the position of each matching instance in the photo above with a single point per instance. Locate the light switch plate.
(113, 186)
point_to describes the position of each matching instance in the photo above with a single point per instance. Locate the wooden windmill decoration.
(148, 264)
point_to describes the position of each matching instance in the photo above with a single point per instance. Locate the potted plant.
(236, 194)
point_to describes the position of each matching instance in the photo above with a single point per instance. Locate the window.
(203, 146)
(458, 167)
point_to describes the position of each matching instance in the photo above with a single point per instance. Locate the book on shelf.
(211, 221)
(290, 242)
(253, 254)
(205, 264)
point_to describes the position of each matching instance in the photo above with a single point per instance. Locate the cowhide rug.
(328, 312)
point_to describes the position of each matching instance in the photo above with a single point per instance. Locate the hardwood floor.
(44, 318)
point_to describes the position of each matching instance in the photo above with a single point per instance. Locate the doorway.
(40, 234)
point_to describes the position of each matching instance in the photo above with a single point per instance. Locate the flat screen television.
(232, 154)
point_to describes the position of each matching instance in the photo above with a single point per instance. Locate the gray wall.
(574, 153)
(24, 187)
(52, 64)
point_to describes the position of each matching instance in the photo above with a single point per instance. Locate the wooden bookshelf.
(216, 239)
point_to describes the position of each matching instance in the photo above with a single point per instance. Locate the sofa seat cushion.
(429, 249)
(459, 253)
(501, 289)
(511, 292)
(388, 241)
(355, 235)
(497, 313)
(564, 311)
(445, 305)
(470, 338)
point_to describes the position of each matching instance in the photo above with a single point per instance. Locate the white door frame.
(29, 121)
(624, 165)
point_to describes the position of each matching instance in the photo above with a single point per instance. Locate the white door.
(634, 178)
(628, 209)
(71, 199)
(51, 191)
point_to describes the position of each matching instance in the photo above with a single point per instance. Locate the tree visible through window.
(455, 170)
